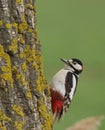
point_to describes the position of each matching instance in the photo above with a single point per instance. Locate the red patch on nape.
(56, 101)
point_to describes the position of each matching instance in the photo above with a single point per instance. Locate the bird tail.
(66, 102)
(54, 116)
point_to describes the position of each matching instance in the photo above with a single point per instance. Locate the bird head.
(74, 65)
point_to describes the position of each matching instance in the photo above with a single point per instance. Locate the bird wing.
(68, 89)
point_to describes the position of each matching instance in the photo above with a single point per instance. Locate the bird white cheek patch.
(79, 67)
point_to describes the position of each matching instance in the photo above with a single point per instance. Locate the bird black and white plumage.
(63, 86)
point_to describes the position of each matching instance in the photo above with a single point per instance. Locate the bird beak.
(64, 60)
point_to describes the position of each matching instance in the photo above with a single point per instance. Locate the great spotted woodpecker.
(63, 86)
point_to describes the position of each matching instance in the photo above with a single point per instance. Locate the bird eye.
(74, 63)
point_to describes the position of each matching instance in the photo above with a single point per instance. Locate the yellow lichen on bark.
(21, 77)
(29, 6)
(8, 25)
(29, 94)
(6, 75)
(24, 66)
(4, 118)
(15, 25)
(19, 1)
(18, 110)
(21, 39)
(1, 22)
(19, 125)
(22, 27)
(2, 127)
(14, 46)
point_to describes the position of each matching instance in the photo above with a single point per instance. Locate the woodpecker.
(63, 86)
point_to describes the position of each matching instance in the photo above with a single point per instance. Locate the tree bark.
(24, 93)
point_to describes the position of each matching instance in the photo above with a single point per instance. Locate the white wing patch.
(73, 87)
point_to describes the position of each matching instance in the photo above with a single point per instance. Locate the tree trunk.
(24, 93)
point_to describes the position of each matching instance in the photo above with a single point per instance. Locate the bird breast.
(58, 81)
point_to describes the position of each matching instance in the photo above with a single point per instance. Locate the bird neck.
(76, 75)
(72, 70)
(69, 68)
(75, 72)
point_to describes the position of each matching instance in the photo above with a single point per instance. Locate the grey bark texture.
(24, 93)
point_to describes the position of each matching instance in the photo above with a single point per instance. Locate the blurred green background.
(75, 28)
